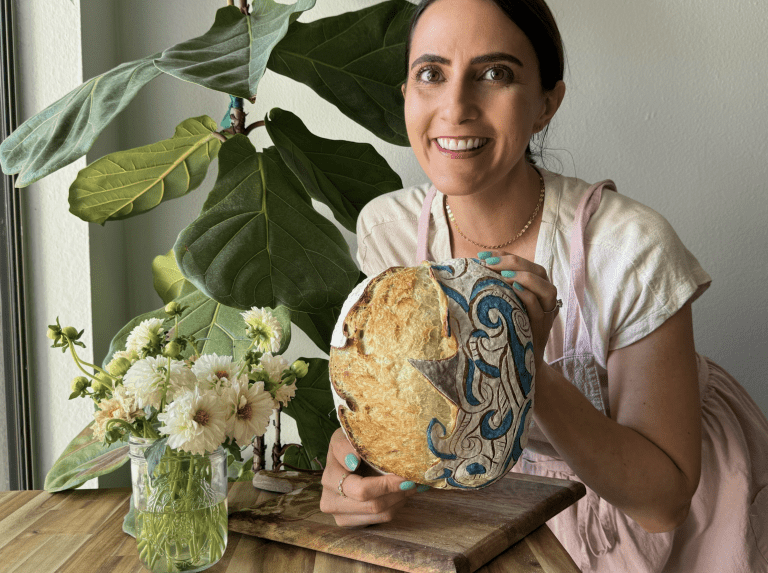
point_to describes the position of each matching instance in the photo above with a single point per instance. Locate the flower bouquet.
(181, 411)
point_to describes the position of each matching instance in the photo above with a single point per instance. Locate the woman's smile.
(461, 148)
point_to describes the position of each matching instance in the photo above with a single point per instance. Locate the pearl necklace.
(513, 239)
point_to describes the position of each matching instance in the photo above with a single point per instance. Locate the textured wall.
(57, 253)
(666, 98)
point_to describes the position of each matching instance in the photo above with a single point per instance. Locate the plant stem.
(276, 447)
(253, 126)
(259, 454)
(81, 363)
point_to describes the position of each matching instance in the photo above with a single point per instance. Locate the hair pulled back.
(536, 21)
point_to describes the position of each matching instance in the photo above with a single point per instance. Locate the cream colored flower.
(130, 355)
(122, 406)
(194, 421)
(145, 379)
(248, 411)
(215, 372)
(148, 331)
(285, 393)
(262, 327)
(273, 366)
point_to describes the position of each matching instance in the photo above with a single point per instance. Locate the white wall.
(57, 245)
(666, 98)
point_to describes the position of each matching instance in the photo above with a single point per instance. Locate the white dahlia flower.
(273, 366)
(215, 372)
(194, 421)
(144, 380)
(262, 327)
(285, 393)
(248, 411)
(147, 331)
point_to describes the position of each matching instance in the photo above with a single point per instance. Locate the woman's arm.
(646, 458)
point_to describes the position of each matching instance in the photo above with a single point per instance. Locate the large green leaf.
(86, 457)
(341, 174)
(221, 328)
(318, 326)
(66, 130)
(132, 182)
(259, 243)
(312, 408)
(168, 281)
(356, 61)
(231, 57)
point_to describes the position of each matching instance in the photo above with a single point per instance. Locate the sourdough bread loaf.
(432, 373)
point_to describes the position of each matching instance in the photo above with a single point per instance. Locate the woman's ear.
(552, 100)
(402, 89)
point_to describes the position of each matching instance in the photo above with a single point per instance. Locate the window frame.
(14, 352)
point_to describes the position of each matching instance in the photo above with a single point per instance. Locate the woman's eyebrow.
(431, 58)
(497, 57)
(487, 58)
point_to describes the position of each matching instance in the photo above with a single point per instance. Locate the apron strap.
(422, 253)
(573, 345)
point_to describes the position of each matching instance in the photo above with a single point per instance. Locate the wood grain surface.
(80, 531)
(439, 531)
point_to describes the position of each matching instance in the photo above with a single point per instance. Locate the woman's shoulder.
(393, 207)
(619, 220)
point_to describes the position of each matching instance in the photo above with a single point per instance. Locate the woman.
(672, 450)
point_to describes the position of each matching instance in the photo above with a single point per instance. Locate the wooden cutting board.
(437, 532)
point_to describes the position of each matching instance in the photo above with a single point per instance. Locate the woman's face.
(473, 97)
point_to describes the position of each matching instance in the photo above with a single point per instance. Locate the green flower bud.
(300, 368)
(172, 349)
(80, 383)
(118, 366)
(70, 332)
(172, 308)
(54, 332)
(101, 383)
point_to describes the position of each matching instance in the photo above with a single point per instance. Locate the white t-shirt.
(638, 271)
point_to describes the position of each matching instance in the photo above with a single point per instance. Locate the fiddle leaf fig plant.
(258, 240)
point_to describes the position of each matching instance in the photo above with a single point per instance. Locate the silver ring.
(558, 305)
(341, 482)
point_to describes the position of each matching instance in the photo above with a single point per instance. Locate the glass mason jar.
(181, 509)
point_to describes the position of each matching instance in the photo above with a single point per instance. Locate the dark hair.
(536, 21)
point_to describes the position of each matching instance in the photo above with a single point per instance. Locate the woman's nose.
(459, 102)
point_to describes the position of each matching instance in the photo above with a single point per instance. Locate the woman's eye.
(497, 74)
(429, 75)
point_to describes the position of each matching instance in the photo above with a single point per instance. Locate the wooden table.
(80, 531)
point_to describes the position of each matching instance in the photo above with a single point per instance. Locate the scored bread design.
(432, 372)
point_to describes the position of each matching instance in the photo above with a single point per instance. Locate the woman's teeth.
(461, 144)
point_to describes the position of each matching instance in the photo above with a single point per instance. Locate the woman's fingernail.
(508, 274)
(352, 462)
(518, 286)
(493, 261)
(422, 488)
(406, 485)
(484, 254)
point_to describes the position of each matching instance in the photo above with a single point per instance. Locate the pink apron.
(727, 527)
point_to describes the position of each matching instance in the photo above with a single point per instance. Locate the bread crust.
(388, 404)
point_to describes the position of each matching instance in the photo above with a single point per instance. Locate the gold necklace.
(513, 239)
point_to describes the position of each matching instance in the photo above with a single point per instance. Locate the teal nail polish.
(518, 286)
(508, 274)
(422, 488)
(351, 461)
(484, 254)
(406, 485)
(493, 261)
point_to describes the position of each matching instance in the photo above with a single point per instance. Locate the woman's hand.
(366, 500)
(533, 288)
